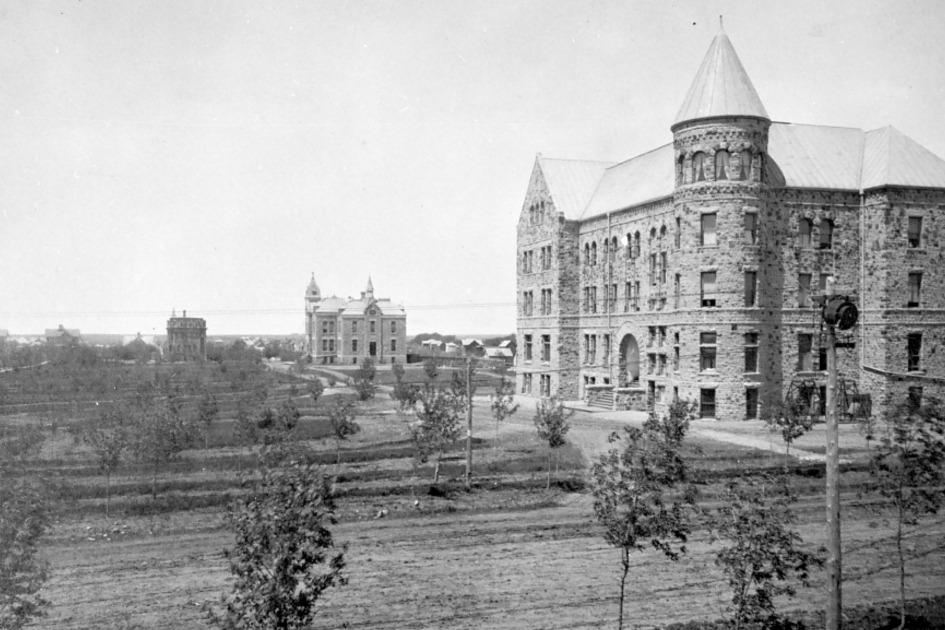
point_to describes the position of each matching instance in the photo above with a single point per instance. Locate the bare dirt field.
(509, 554)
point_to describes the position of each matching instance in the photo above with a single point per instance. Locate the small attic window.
(721, 165)
(698, 167)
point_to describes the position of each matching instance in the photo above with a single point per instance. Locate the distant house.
(449, 346)
(504, 354)
(432, 344)
(62, 336)
(473, 347)
(186, 338)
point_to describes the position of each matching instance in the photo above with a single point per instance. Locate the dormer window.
(698, 167)
(721, 165)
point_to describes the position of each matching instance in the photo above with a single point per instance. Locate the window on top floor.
(679, 171)
(605, 249)
(804, 227)
(393, 328)
(751, 228)
(722, 166)
(915, 231)
(707, 233)
(373, 326)
(744, 165)
(698, 167)
(826, 234)
(636, 245)
(587, 253)
(593, 253)
(613, 248)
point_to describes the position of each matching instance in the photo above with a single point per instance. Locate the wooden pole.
(833, 564)
(469, 418)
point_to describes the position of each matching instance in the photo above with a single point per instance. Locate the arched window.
(803, 233)
(593, 253)
(652, 235)
(587, 253)
(605, 249)
(636, 245)
(679, 171)
(721, 165)
(541, 210)
(744, 165)
(698, 167)
(662, 234)
(826, 234)
(629, 243)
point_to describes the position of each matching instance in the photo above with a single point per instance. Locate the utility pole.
(833, 475)
(469, 414)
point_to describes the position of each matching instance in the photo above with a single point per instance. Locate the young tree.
(247, 428)
(553, 422)
(908, 470)
(364, 379)
(764, 558)
(791, 419)
(207, 412)
(343, 425)
(24, 519)
(285, 556)
(161, 432)
(631, 485)
(108, 437)
(315, 389)
(431, 369)
(437, 427)
(502, 406)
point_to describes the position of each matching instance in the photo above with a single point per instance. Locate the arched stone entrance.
(628, 374)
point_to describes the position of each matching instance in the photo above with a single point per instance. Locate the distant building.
(186, 338)
(345, 331)
(62, 336)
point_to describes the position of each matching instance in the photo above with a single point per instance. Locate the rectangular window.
(354, 346)
(393, 328)
(393, 345)
(662, 267)
(660, 393)
(528, 347)
(707, 351)
(708, 235)
(751, 228)
(677, 291)
(331, 345)
(592, 350)
(593, 299)
(661, 336)
(546, 347)
(526, 383)
(823, 283)
(706, 403)
(751, 352)
(751, 283)
(708, 289)
(822, 359)
(678, 232)
(606, 349)
(545, 384)
(325, 327)
(546, 258)
(805, 361)
(676, 359)
(373, 326)
(913, 351)
(628, 293)
(915, 231)
(915, 289)
(660, 364)
(354, 327)
(803, 290)
(751, 403)
(650, 363)
(652, 269)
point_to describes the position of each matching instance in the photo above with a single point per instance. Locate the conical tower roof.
(721, 87)
(370, 287)
(312, 289)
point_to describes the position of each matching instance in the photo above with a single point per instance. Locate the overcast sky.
(211, 156)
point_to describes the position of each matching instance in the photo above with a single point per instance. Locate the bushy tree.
(642, 492)
(553, 422)
(437, 426)
(24, 519)
(404, 393)
(764, 558)
(109, 437)
(502, 404)
(431, 368)
(343, 425)
(908, 471)
(161, 432)
(285, 555)
(364, 379)
(315, 389)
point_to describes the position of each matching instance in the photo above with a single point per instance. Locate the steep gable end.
(892, 158)
(571, 183)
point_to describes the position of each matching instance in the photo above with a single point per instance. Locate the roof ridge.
(784, 122)
(577, 160)
(639, 155)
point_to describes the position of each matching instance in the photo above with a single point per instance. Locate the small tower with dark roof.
(313, 296)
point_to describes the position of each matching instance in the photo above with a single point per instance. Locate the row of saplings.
(644, 497)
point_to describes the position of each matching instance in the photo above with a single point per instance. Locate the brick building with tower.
(186, 338)
(347, 330)
(692, 271)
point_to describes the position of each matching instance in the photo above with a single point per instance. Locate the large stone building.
(186, 338)
(693, 270)
(345, 331)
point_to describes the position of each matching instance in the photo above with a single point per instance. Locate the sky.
(211, 156)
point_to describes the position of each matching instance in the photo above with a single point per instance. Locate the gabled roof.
(571, 183)
(721, 87)
(811, 156)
